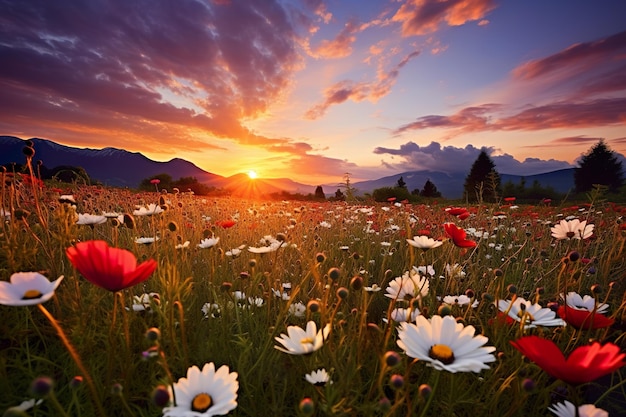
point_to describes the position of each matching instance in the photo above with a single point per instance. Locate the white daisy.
(208, 242)
(298, 341)
(204, 393)
(460, 300)
(27, 288)
(297, 309)
(424, 242)
(408, 286)
(534, 315)
(445, 344)
(572, 229)
(567, 409)
(148, 211)
(586, 302)
(90, 219)
(319, 377)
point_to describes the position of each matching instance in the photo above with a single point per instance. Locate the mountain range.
(120, 168)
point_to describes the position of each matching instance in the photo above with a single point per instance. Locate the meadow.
(287, 308)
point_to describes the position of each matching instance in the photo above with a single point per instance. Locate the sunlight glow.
(252, 174)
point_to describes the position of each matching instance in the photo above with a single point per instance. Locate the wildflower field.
(116, 303)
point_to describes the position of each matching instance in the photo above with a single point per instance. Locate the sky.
(313, 89)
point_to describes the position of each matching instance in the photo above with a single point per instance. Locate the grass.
(324, 246)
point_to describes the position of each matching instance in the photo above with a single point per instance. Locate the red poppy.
(456, 211)
(464, 215)
(110, 268)
(225, 224)
(155, 181)
(458, 236)
(584, 319)
(509, 199)
(585, 364)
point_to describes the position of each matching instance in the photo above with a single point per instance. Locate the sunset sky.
(312, 89)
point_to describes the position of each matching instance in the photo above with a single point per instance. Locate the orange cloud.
(420, 17)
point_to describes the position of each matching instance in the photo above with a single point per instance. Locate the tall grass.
(324, 247)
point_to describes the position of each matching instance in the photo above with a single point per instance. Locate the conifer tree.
(430, 190)
(483, 181)
(598, 166)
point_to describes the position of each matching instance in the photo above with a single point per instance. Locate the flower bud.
(396, 381)
(334, 273)
(342, 293)
(424, 391)
(153, 334)
(41, 386)
(306, 406)
(391, 358)
(160, 396)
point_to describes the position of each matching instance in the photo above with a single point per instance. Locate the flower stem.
(75, 357)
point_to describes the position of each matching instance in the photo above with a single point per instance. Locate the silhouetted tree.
(598, 166)
(319, 193)
(430, 190)
(483, 181)
(401, 183)
(339, 196)
(348, 188)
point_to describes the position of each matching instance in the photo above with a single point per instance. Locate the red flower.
(584, 364)
(584, 319)
(456, 211)
(458, 236)
(509, 199)
(110, 268)
(155, 181)
(225, 224)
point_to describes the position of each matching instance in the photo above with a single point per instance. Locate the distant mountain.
(120, 168)
(110, 166)
(451, 185)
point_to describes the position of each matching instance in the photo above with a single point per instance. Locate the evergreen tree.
(483, 181)
(401, 183)
(598, 166)
(430, 190)
(319, 193)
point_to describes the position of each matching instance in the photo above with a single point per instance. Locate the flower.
(204, 393)
(208, 242)
(572, 229)
(567, 409)
(111, 268)
(408, 286)
(225, 224)
(445, 344)
(211, 309)
(533, 314)
(403, 314)
(585, 364)
(319, 377)
(297, 309)
(458, 236)
(460, 300)
(373, 288)
(90, 219)
(587, 303)
(301, 342)
(27, 288)
(146, 240)
(148, 211)
(584, 319)
(424, 242)
(145, 301)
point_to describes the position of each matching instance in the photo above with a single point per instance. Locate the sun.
(252, 174)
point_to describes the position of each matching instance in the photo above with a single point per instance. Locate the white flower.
(149, 210)
(256, 301)
(587, 303)
(572, 229)
(426, 269)
(445, 344)
(534, 315)
(146, 240)
(424, 242)
(208, 242)
(567, 409)
(408, 286)
(297, 309)
(90, 219)
(301, 342)
(27, 288)
(319, 377)
(373, 288)
(457, 299)
(144, 301)
(184, 245)
(204, 393)
(403, 314)
(212, 310)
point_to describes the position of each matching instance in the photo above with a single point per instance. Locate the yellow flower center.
(201, 402)
(31, 294)
(307, 340)
(526, 316)
(442, 353)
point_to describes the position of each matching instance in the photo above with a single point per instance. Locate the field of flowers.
(120, 303)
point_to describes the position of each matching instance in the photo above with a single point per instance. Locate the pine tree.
(430, 190)
(598, 166)
(483, 181)
(319, 193)
(401, 183)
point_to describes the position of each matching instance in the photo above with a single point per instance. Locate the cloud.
(145, 69)
(584, 54)
(339, 47)
(450, 159)
(420, 17)
(345, 90)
